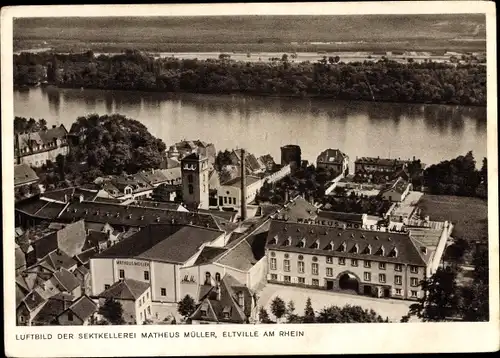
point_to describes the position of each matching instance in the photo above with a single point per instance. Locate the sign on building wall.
(132, 263)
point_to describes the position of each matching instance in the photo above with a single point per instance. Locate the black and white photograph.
(272, 170)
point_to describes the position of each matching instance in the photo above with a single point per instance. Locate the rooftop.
(167, 243)
(298, 208)
(130, 215)
(399, 185)
(380, 161)
(83, 307)
(331, 156)
(24, 174)
(237, 181)
(126, 289)
(348, 243)
(339, 216)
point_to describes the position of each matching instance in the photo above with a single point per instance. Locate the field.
(468, 215)
(256, 33)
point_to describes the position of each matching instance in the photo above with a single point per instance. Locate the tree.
(112, 311)
(292, 317)
(186, 306)
(441, 298)
(309, 316)
(349, 314)
(264, 316)
(278, 307)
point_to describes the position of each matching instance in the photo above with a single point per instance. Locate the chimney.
(243, 187)
(286, 196)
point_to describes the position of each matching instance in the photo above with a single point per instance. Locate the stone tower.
(194, 169)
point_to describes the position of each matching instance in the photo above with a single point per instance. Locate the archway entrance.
(348, 282)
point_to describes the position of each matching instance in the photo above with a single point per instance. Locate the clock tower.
(194, 169)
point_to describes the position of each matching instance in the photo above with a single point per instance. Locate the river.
(261, 125)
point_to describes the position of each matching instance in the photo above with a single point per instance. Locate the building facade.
(333, 160)
(367, 165)
(195, 181)
(36, 148)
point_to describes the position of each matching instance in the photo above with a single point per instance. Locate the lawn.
(468, 215)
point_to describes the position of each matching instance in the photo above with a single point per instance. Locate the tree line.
(286, 313)
(458, 176)
(385, 80)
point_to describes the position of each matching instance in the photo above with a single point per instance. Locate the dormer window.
(343, 247)
(302, 243)
(368, 249)
(315, 245)
(330, 246)
(381, 251)
(355, 249)
(226, 312)
(288, 242)
(394, 252)
(273, 241)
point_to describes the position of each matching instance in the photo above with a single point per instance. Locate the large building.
(229, 193)
(333, 160)
(36, 148)
(195, 181)
(155, 255)
(367, 165)
(373, 263)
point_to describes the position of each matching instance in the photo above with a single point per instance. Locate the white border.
(340, 338)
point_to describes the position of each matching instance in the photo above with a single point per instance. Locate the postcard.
(249, 179)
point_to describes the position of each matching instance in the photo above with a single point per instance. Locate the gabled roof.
(399, 185)
(42, 137)
(130, 215)
(126, 289)
(52, 309)
(208, 255)
(295, 233)
(171, 174)
(333, 156)
(85, 256)
(298, 208)
(217, 307)
(83, 307)
(24, 174)
(153, 177)
(57, 259)
(33, 300)
(66, 280)
(20, 258)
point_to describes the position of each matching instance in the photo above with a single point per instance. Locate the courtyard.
(390, 308)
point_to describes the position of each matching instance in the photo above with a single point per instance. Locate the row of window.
(231, 200)
(398, 280)
(122, 275)
(341, 261)
(315, 282)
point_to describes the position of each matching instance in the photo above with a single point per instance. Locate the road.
(391, 308)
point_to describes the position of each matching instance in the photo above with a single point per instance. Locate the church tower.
(194, 169)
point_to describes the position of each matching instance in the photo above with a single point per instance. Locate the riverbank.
(178, 94)
(381, 81)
